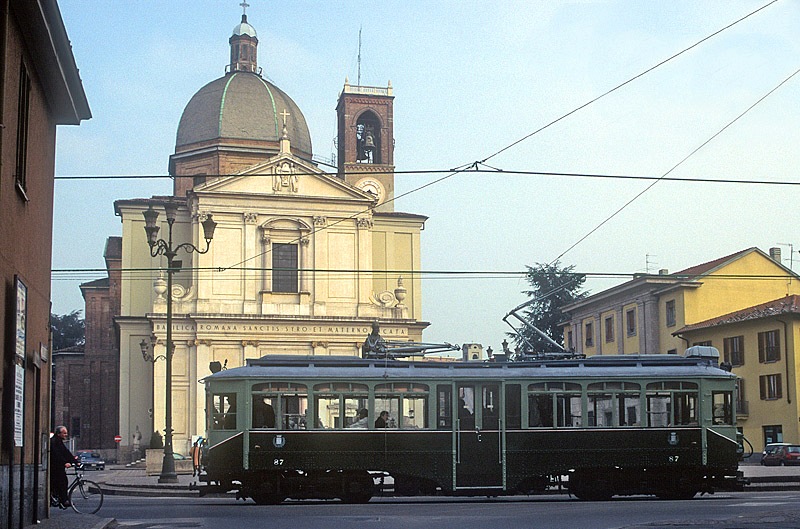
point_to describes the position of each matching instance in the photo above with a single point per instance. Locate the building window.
(769, 347)
(284, 268)
(773, 434)
(23, 106)
(741, 400)
(75, 430)
(704, 343)
(589, 334)
(672, 352)
(630, 322)
(610, 329)
(733, 350)
(570, 343)
(670, 313)
(770, 387)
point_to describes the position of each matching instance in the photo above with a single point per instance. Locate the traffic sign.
(117, 438)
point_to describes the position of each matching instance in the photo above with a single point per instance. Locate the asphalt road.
(742, 510)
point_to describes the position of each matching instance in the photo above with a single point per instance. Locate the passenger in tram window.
(383, 420)
(263, 413)
(360, 420)
(230, 415)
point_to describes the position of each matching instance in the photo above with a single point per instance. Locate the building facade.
(641, 316)
(760, 345)
(302, 261)
(84, 400)
(40, 88)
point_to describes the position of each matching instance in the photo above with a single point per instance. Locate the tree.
(552, 287)
(68, 330)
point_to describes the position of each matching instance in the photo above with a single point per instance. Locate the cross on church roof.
(285, 115)
(244, 5)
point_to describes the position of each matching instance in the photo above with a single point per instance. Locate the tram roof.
(351, 368)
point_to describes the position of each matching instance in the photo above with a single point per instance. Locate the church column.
(364, 241)
(251, 277)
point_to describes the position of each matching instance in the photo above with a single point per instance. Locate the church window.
(284, 268)
(368, 138)
(23, 112)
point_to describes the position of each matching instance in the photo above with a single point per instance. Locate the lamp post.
(162, 247)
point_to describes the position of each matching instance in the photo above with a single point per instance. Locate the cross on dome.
(285, 115)
(244, 5)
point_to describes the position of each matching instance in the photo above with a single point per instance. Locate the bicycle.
(85, 496)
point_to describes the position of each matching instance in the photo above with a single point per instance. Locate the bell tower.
(365, 140)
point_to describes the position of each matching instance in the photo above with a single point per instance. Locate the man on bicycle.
(60, 460)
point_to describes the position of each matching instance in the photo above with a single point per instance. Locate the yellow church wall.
(342, 255)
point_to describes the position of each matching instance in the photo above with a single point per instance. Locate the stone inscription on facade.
(278, 329)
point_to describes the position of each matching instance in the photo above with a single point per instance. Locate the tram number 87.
(277, 462)
(671, 459)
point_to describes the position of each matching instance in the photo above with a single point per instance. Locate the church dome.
(242, 106)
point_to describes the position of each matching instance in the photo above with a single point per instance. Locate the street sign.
(117, 438)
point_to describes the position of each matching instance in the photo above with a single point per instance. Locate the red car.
(783, 455)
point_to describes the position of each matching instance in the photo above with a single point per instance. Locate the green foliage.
(552, 287)
(68, 330)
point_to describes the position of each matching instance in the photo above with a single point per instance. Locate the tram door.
(478, 430)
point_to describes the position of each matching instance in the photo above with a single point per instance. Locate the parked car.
(781, 454)
(91, 460)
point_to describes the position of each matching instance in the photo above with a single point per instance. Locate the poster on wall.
(22, 317)
(19, 405)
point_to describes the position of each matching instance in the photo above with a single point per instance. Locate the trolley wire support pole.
(165, 248)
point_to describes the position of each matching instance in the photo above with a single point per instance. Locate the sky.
(471, 78)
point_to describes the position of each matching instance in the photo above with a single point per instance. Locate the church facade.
(302, 261)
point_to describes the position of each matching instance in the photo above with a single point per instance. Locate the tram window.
(723, 409)
(568, 410)
(223, 411)
(444, 407)
(263, 411)
(659, 409)
(491, 406)
(540, 410)
(293, 411)
(629, 409)
(327, 407)
(390, 404)
(513, 406)
(600, 410)
(466, 407)
(353, 404)
(685, 408)
(414, 412)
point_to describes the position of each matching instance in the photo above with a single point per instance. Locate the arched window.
(368, 138)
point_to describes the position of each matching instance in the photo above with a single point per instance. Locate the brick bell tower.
(366, 140)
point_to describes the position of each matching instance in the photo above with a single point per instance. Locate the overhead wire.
(684, 159)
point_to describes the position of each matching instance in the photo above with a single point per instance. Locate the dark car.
(781, 454)
(91, 460)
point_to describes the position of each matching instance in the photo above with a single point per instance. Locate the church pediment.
(284, 175)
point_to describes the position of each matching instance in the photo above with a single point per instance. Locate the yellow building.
(759, 342)
(302, 261)
(744, 304)
(641, 316)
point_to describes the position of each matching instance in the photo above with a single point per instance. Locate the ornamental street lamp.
(162, 247)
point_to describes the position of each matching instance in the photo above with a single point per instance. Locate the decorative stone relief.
(250, 217)
(305, 241)
(320, 221)
(383, 299)
(364, 223)
(283, 177)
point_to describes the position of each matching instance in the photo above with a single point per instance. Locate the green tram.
(314, 427)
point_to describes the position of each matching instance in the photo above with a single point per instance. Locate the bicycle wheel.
(86, 497)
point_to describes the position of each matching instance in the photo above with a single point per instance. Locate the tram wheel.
(358, 487)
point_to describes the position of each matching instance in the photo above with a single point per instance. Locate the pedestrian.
(60, 460)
